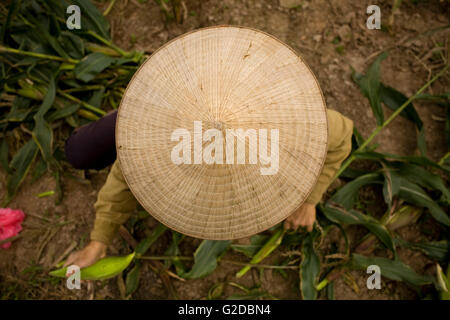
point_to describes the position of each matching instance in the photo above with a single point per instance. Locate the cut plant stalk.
(109, 44)
(37, 55)
(83, 104)
(271, 244)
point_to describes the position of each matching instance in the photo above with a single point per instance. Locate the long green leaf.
(341, 215)
(391, 186)
(92, 18)
(370, 87)
(132, 279)
(309, 269)
(347, 195)
(206, 257)
(63, 113)
(174, 250)
(256, 243)
(436, 250)
(391, 269)
(414, 194)
(443, 282)
(13, 7)
(394, 100)
(424, 178)
(20, 164)
(419, 160)
(145, 244)
(91, 65)
(4, 155)
(42, 132)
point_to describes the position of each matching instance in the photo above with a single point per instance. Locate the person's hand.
(89, 255)
(304, 216)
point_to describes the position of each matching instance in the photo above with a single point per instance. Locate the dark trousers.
(93, 146)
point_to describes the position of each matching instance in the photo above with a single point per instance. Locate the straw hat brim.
(227, 77)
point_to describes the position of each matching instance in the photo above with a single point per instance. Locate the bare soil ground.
(417, 50)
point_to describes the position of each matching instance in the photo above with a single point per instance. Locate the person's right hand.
(89, 255)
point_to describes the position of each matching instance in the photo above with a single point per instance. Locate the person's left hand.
(304, 216)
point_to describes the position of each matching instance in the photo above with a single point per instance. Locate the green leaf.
(414, 194)
(145, 244)
(394, 100)
(256, 243)
(72, 44)
(41, 27)
(174, 250)
(92, 19)
(103, 269)
(4, 153)
(91, 65)
(216, 291)
(39, 169)
(391, 185)
(309, 269)
(403, 216)
(330, 291)
(206, 257)
(43, 136)
(436, 250)
(443, 282)
(392, 269)
(42, 132)
(422, 177)
(273, 243)
(13, 7)
(341, 215)
(63, 113)
(443, 97)
(20, 164)
(97, 97)
(348, 194)
(419, 160)
(370, 87)
(20, 110)
(358, 139)
(132, 279)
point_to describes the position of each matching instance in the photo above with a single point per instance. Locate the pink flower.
(10, 224)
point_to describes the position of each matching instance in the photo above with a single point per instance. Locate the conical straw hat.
(226, 78)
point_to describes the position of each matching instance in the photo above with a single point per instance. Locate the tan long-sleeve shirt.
(115, 202)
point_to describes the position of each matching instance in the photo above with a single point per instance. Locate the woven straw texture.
(228, 78)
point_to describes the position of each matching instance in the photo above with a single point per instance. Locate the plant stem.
(266, 266)
(111, 4)
(322, 284)
(84, 104)
(106, 42)
(389, 120)
(37, 55)
(442, 161)
(86, 88)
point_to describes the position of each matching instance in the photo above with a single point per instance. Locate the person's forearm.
(340, 130)
(331, 166)
(114, 205)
